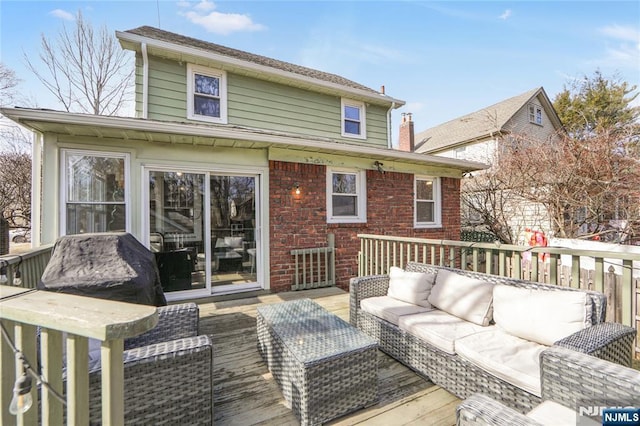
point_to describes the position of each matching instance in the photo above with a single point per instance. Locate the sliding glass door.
(204, 231)
(233, 230)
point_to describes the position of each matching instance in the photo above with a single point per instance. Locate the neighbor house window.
(206, 94)
(346, 196)
(353, 119)
(535, 114)
(427, 202)
(95, 192)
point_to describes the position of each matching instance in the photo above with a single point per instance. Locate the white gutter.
(36, 189)
(23, 116)
(389, 127)
(145, 81)
(263, 69)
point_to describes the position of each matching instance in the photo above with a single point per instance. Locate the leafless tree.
(13, 138)
(8, 84)
(15, 190)
(589, 185)
(85, 70)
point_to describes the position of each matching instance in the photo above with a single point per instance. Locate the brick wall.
(299, 221)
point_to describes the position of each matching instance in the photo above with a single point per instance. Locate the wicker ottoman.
(324, 366)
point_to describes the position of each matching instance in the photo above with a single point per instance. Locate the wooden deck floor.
(246, 393)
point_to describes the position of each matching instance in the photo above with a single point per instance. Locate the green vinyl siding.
(258, 104)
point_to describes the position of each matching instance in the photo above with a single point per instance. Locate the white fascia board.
(23, 116)
(133, 38)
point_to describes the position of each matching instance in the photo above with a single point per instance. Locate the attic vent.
(466, 119)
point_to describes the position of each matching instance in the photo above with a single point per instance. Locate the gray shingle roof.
(170, 37)
(477, 125)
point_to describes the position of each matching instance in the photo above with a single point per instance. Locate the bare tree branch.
(86, 71)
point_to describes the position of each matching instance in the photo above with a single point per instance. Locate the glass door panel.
(233, 230)
(176, 228)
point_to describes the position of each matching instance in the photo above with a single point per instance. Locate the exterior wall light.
(296, 188)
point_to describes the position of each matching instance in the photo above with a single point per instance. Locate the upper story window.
(95, 192)
(353, 119)
(427, 202)
(346, 196)
(206, 94)
(535, 114)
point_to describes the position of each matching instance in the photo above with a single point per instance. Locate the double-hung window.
(535, 114)
(95, 192)
(206, 94)
(346, 196)
(354, 123)
(427, 202)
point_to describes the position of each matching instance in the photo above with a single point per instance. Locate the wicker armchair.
(167, 373)
(569, 378)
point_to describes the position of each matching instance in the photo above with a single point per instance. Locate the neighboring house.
(478, 137)
(233, 161)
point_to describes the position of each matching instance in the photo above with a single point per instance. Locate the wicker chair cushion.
(465, 297)
(410, 287)
(540, 316)
(514, 360)
(439, 328)
(390, 309)
(552, 413)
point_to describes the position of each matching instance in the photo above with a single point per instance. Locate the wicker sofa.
(167, 373)
(609, 341)
(570, 380)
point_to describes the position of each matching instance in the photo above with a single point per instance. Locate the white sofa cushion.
(542, 316)
(510, 358)
(439, 328)
(462, 296)
(233, 242)
(553, 414)
(389, 309)
(410, 287)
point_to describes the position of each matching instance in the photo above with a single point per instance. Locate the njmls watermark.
(608, 413)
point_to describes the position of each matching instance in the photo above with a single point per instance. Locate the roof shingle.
(476, 125)
(166, 36)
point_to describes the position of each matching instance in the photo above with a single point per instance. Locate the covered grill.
(114, 266)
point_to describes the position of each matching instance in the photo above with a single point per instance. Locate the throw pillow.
(465, 297)
(410, 287)
(542, 316)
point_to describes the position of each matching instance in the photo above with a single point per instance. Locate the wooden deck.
(246, 393)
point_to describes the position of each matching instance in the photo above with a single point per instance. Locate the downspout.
(389, 141)
(145, 81)
(36, 189)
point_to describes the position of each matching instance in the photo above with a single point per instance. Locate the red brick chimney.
(406, 139)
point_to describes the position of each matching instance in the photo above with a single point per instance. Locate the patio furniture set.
(476, 333)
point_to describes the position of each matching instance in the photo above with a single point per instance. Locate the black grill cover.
(113, 266)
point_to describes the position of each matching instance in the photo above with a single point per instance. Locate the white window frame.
(363, 118)
(192, 70)
(535, 114)
(64, 153)
(361, 196)
(437, 202)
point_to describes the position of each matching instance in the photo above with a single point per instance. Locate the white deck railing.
(379, 252)
(23, 312)
(315, 267)
(25, 269)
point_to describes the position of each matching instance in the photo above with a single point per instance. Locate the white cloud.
(183, 4)
(619, 32)
(623, 47)
(223, 23)
(205, 6)
(217, 22)
(506, 14)
(63, 14)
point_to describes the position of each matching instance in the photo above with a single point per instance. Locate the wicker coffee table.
(324, 366)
